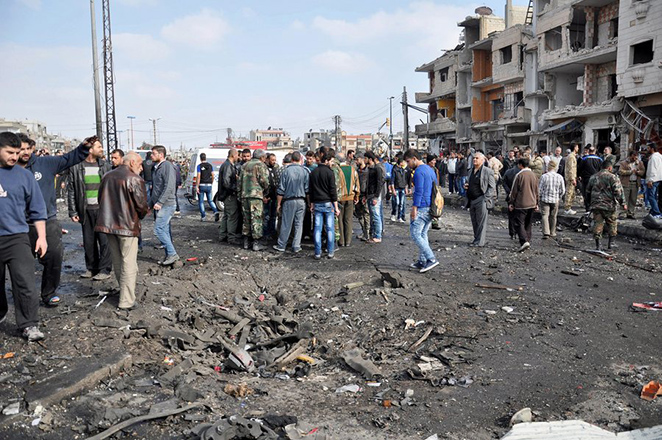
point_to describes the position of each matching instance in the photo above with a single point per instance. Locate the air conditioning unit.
(611, 120)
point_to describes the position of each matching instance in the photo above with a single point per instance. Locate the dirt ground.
(567, 345)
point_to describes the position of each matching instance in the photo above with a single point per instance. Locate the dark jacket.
(363, 180)
(487, 186)
(508, 179)
(322, 185)
(227, 180)
(122, 203)
(588, 166)
(44, 169)
(400, 178)
(76, 199)
(461, 168)
(164, 179)
(375, 181)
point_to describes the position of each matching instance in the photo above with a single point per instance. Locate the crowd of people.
(316, 195)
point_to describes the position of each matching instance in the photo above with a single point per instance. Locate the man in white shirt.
(653, 178)
(452, 170)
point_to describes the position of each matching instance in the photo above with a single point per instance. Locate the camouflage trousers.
(601, 218)
(252, 210)
(570, 195)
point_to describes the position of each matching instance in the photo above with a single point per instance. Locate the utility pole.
(95, 75)
(131, 118)
(405, 113)
(390, 126)
(109, 79)
(337, 120)
(154, 125)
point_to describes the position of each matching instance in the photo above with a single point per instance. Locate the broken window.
(443, 74)
(613, 87)
(506, 54)
(641, 53)
(577, 30)
(497, 109)
(553, 39)
(613, 28)
(443, 112)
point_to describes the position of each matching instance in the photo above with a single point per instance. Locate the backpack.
(437, 201)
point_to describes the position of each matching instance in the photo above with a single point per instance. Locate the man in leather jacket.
(122, 205)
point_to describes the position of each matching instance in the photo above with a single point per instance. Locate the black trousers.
(17, 255)
(522, 220)
(97, 252)
(52, 261)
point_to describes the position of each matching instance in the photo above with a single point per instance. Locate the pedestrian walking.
(21, 202)
(83, 203)
(550, 191)
(122, 205)
(481, 193)
(45, 169)
(204, 181)
(163, 202)
(362, 210)
(570, 174)
(400, 188)
(230, 228)
(631, 170)
(421, 220)
(252, 186)
(523, 202)
(653, 179)
(292, 200)
(605, 193)
(508, 179)
(324, 204)
(452, 169)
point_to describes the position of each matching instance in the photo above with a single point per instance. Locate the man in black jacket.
(45, 169)
(83, 201)
(588, 166)
(323, 203)
(374, 196)
(230, 229)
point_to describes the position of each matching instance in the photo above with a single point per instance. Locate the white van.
(216, 157)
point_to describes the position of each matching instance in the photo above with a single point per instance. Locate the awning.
(566, 126)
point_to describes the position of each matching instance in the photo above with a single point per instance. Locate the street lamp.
(131, 118)
(390, 126)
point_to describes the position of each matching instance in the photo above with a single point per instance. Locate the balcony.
(519, 116)
(441, 125)
(564, 60)
(612, 106)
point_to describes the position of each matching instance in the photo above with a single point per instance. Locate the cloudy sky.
(203, 65)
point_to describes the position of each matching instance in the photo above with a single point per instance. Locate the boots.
(247, 242)
(597, 245)
(611, 245)
(257, 246)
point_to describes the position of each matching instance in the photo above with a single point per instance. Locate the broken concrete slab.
(72, 381)
(394, 279)
(576, 430)
(173, 373)
(354, 358)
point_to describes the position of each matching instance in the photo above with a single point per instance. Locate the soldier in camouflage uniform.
(334, 164)
(252, 184)
(605, 192)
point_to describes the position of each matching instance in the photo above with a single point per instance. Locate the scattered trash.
(241, 390)
(490, 312)
(192, 259)
(351, 286)
(433, 437)
(7, 355)
(652, 306)
(167, 309)
(507, 309)
(524, 415)
(422, 339)
(651, 390)
(570, 272)
(499, 287)
(12, 409)
(168, 360)
(100, 302)
(348, 389)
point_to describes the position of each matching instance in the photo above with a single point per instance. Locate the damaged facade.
(584, 70)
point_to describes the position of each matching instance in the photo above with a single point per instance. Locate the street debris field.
(235, 344)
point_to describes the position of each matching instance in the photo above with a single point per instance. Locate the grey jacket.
(487, 185)
(164, 179)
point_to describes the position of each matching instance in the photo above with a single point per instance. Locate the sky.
(200, 66)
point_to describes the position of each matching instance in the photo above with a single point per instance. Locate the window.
(613, 28)
(641, 53)
(506, 54)
(497, 109)
(443, 74)
(613, 86)
(553, 40)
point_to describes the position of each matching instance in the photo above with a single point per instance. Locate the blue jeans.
(205, 190)
(652, 198)
(400, 198)
(324, 217)
(162, 228)
(376, 220)
(418, 230)
(460, 185)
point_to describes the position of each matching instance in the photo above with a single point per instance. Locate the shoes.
(257, 246)
(32, 334)
(170, 260)
(429, 265)
(318, 257)
(101, 276)
(53, 301)
(570, 212)
(524, 247)
(217, 216)
(278, 249)
(417, 265)
(331, 256)
(401, 220)
(87, 274)
(375, 240)
(128, 309)
(177, 213)
(203, 219)
(159, 246)
(247, 243)
(393, 218)
(545, 237)
(631, 217)
(297, 250)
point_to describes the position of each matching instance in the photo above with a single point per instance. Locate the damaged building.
(549, 74)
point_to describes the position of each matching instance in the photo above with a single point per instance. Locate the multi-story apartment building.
(586, 70)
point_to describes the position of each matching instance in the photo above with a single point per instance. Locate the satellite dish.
(484, 10)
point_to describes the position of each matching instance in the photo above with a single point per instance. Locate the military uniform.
(570, 176)
(252, 184)
(605, 193)
(340, 182)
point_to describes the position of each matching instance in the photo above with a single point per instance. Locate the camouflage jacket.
(338, 174)
(604, 191)
(570, 168)
(253, 180)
